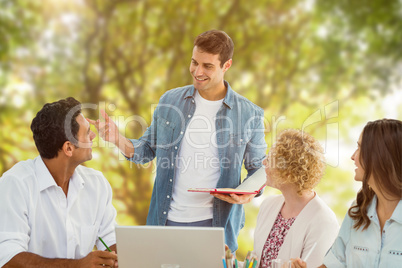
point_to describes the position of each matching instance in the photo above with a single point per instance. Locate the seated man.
(53, 209)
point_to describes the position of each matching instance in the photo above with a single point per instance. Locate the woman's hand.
(298, 263)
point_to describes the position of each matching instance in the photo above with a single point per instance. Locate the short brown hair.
(217, 43)
(298, 159)
(381, 158)
(53, 123)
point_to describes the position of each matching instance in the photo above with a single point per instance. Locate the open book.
(252, 185)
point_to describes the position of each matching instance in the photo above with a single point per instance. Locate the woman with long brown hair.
(371, 232)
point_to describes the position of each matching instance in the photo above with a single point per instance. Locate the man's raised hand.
(107, 129)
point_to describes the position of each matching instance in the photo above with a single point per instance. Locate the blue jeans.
(204, 223)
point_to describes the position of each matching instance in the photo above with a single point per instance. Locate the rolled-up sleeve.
(336, 256)
(14, 227)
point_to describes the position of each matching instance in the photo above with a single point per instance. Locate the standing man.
(53, 209)
(201, 135)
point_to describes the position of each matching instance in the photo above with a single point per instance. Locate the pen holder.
(229, 263)
(279, 263)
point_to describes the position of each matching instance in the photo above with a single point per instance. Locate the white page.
(254, 182)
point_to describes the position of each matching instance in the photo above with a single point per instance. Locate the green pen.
(247, 260)
(255, 263)
(105, 244)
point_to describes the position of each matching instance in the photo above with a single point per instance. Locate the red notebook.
(252, 185)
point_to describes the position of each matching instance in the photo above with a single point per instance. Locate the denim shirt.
(240, 138)
(368, 248)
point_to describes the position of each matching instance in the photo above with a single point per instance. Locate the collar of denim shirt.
(396, 215)
(228, 100)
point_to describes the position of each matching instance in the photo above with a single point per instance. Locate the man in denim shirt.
(200, 135)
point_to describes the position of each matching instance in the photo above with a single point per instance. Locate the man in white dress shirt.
(53, 209)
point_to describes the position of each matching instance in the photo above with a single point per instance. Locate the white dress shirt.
(368, 248)
(37, 217)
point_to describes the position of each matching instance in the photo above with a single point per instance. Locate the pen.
(309, 253)
(236, 265)
(104, 244)
(255, 264)
(229, 260)
(224, 263)
(247, 259)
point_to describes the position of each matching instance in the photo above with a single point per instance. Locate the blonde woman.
(297, 221)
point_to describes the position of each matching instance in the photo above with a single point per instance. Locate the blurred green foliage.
(313, 65)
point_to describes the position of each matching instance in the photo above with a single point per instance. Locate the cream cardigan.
(315, 223)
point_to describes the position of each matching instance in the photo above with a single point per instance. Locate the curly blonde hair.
(297, 159)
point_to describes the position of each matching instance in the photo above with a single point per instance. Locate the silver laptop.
(152, 246)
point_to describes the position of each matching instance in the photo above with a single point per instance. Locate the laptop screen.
(151, 246)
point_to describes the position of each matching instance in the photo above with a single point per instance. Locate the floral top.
(275, 240)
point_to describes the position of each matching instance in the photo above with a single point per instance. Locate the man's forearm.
(31, 260)
(93, 259)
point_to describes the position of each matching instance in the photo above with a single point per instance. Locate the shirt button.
(192, 101)
(170, 180)
(172, 164)
(167, 123)
(168, 196)
(175, 147)
(181, 132)
(241, 140)
(164, 212)
(189, 115)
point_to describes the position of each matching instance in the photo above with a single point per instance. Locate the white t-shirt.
(37, 217)
(197, 165)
